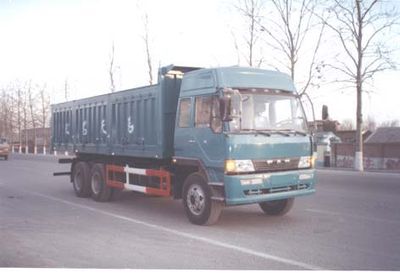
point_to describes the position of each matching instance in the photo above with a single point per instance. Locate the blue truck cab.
(246, 130)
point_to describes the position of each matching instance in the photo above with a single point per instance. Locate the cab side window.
(184, 113)
(203, 111)
(216, 121)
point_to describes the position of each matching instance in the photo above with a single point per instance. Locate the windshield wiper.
(265, 132)
(261, 132)
(268, 132)
(280, 132)
(295, 132)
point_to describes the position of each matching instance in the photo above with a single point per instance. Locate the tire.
(81, 179)
(6, 157)
(100, 191)
(277, 207)
(199, 207)
(116, 194)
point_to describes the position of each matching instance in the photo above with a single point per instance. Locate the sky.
(49, 42)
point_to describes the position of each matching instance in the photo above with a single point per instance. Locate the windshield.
(266, 110)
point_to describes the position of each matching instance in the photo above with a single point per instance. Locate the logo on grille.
(278, 161)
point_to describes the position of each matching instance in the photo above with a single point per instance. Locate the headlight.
(238, 166)
(305, 162)
(313, 159)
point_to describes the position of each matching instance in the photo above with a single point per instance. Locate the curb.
(352, 170)
(38, 157)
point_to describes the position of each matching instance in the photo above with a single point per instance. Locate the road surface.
(351, 223)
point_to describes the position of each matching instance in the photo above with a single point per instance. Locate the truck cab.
(245, 131)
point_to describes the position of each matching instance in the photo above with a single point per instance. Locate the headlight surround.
(305, 162)
(239, 166)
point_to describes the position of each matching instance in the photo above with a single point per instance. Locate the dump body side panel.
(125, 123)
(134, 123)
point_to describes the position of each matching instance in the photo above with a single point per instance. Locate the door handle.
(192, 141)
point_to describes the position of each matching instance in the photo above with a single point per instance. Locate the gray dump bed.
(136, 122)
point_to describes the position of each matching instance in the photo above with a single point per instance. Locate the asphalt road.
(351, 223)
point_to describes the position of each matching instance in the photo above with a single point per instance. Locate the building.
(349, 136)
(383, 146)
(381, 150)
(324, 125)
(37, 140)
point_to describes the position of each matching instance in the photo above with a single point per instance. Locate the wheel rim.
(195, 199)
(78, 181)
(96, 183)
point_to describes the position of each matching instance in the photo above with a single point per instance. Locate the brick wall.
(376, 156)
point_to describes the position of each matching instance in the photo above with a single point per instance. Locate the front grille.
(296, 187)
(282, 164)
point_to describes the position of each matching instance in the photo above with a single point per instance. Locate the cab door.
(198, 132)
(207, 131)
(183, 140)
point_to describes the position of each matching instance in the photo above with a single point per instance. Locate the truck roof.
(248, 77)
(231, 76)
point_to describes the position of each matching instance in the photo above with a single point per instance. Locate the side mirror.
(225, 108)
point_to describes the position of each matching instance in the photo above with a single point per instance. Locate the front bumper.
(256, 188)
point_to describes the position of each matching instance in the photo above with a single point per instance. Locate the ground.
(351, 223)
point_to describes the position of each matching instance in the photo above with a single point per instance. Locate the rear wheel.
(277, 207)
(6, 157)
(100, 191)
(199, 207)
(81, 179)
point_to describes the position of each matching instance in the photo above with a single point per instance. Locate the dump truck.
(213, 137)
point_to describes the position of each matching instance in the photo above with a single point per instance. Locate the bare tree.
(111, 69)
(369, 124)
(6, 113)
(390, 123)
(235, 44)
(292, 27)
(146, 39)
(66, 89)
(24, 108)
(2, 114)
(251, 10)
(346, 124)
(10, 103)
(32, 110)
(44, 106)
(358, 25)
(19, 102)
(25, 114)
(11, 117)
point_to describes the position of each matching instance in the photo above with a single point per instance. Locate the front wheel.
(277, 207)
(199, 207)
